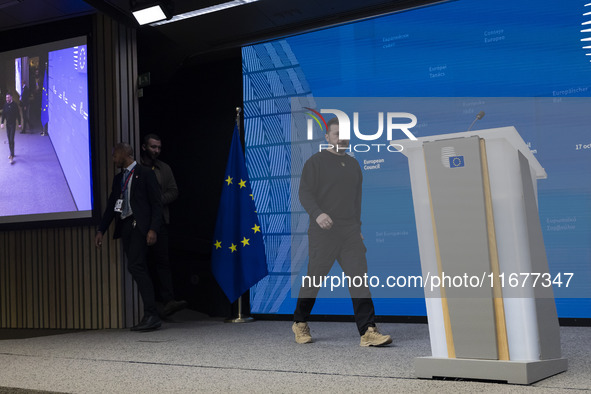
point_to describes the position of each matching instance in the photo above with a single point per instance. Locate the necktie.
(125, 208)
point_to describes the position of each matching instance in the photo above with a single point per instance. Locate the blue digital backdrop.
(68, 119)
(522, 62)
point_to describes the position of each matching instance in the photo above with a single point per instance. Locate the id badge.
(119, 205)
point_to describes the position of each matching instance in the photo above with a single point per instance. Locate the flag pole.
(238, 110)
(241, 318)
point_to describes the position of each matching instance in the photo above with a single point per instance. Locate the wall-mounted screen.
(525, 64)
(45, 165)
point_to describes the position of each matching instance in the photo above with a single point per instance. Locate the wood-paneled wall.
(55, 277)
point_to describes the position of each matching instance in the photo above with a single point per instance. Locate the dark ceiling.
(212, 32)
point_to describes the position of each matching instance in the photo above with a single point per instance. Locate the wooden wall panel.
(55, 277)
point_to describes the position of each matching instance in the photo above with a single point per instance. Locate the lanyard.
(124, 185)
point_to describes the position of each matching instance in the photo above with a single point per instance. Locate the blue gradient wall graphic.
(524, 63)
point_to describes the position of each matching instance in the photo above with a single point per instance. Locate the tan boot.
(302, 332)
(372, 337)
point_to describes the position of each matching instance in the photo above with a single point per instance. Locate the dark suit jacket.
(145, 201)
(25, 96)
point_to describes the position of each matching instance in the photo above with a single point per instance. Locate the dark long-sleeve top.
(332, 184)
(11, 113)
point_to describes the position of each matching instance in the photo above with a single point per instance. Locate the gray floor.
(198, 354)
(42, 186)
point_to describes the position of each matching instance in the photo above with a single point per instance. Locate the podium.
(481, 249)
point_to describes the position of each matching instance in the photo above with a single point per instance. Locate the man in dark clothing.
(330, 191)
(158, 253)
(136, 206)
(25, 96)
(11, 113)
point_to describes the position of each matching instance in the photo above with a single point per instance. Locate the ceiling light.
(151, 13)
(203, 11)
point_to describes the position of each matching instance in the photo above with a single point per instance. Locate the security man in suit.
(25, 97)
(135, 204)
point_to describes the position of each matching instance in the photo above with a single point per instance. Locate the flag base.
(240, 320)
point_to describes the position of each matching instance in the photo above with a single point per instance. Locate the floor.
(194, 353)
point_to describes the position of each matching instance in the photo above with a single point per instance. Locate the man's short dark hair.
(334, 120)
(151, 136)
(125, 148)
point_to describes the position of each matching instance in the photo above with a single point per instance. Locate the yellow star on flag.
(256, 228)
(229, 180)
(245, 242)
(232, 248)
(251, 196)
(242, 183)
(218, 244)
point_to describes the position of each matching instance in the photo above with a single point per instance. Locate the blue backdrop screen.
(525, 63)
(68, 117)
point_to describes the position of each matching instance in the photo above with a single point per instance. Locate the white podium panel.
(475, 203)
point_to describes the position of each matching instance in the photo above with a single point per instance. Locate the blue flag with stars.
(44, 102)
(238, 258)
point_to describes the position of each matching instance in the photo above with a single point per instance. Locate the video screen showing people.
(45, 165)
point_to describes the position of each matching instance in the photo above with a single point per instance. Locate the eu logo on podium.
(456, 161)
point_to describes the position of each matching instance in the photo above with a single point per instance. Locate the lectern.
(481, 250)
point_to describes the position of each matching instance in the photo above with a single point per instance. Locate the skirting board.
(514, 372)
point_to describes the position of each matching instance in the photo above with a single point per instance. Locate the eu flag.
(44, 102)
(238, 259)
(456, 161)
